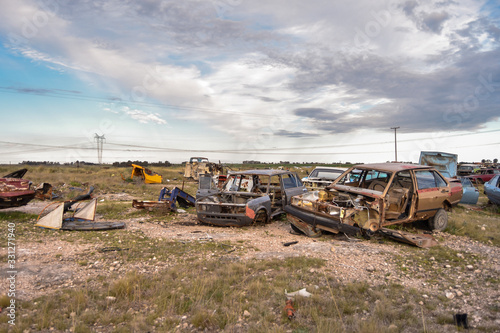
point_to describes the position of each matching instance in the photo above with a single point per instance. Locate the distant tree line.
(142, 163)
(77, 163)
(116, 164)
(40, 163)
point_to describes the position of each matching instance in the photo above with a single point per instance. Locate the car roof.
(262, 172)
(330, 168)
(392, 167)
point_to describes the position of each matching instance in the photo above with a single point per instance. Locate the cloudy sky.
(241, 80)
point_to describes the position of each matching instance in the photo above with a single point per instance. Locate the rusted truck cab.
(201, 166)
(368, 197)
(248, 197)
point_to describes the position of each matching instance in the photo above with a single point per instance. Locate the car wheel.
(260, 217)
(439, 221)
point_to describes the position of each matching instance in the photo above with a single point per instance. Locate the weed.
(479, 225)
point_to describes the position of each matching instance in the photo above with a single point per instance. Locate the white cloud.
(144, 117)
(247, 70)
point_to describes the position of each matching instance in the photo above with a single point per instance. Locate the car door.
(470, 192)
(291, 185)
(432, 191)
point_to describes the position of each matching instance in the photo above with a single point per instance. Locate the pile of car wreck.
(363, 199)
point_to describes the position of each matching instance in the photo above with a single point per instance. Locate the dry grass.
(479, 222)
(105, 179)
(239, 296)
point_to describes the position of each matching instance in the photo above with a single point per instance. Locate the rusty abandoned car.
(247, 197)
(14, 190)
(201, 166)
(368, 197)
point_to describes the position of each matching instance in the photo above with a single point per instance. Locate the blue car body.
(492, 190)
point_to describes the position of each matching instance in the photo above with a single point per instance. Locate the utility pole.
(395, 144)
(99, 139)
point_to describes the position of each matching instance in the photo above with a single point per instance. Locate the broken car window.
(289, 181)
(428, 179)
(440, 182)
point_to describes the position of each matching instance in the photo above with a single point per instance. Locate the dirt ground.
(44, 267)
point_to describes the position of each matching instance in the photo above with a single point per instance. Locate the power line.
(264, 151)
(99, 139)
(76, 96)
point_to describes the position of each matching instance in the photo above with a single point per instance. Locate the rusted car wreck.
(15, 191)
(247, 197)
(368, 197)
(201, 166)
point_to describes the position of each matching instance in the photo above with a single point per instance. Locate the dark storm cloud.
(460, 97)
(434, 21)
(427, 21)
(291, 134)
(318, 114)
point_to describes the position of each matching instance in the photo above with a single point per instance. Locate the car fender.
(254, 205)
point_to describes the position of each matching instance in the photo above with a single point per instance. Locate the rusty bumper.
(321, 222)
(224, 219)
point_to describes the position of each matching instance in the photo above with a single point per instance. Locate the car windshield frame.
(329, 174)
(362, 176)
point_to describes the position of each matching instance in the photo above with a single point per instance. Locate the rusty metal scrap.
(290, 311)
(44, 191)
(420, 240)
(152, 205)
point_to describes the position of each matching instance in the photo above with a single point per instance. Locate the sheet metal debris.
(82, 218)
(147, 175)
(44, 192)
(167, 200)
(290, 311)
(17, 174)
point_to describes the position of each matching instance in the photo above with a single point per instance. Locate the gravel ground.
(46, 267)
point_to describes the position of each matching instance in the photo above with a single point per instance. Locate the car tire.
(260, 217)
(439, 221)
